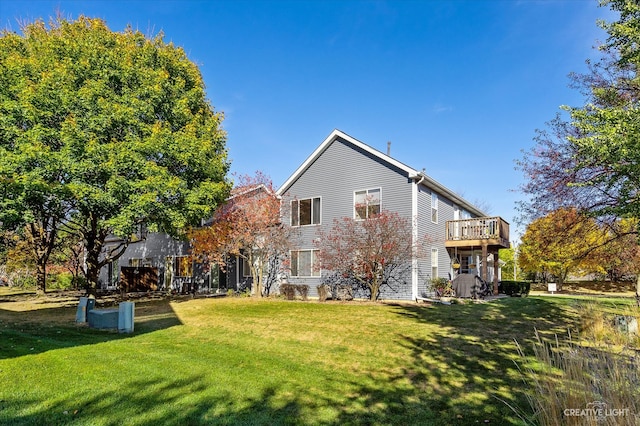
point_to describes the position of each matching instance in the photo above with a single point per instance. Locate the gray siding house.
(331, 184)
(159, 262)
(156, 261)
(342, 172)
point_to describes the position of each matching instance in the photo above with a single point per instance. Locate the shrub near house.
(515, 288)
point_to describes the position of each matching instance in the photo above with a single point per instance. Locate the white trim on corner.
(414, 236)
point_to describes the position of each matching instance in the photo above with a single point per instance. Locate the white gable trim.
(411, 172)
(325, 144)
(250, 190)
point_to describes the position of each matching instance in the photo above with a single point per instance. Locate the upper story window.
(305, 211)
(434, 207)
(367, 203)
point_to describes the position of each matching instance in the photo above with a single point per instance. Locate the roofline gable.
(412, 173)
(248, 190)
(325, 144)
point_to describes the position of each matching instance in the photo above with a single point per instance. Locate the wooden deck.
(478, 232)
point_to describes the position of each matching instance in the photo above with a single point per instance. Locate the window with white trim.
(246, 270)
(140, 262)
(434, 207)
(112, 273)
(184, 266)
(366, 203)
(305, 211)
(434, 263)
(303, 263)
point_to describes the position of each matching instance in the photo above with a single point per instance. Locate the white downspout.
(414, 229)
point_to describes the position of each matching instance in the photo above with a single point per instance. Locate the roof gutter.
(420, 178)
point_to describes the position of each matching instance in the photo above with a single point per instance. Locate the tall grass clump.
(597, 325)
(593, 379)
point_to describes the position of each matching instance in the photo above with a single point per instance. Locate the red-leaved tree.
(248, 225)
(375, 252)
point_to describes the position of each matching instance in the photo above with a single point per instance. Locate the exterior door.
(456, 226)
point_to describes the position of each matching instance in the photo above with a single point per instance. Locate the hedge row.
(515, 288)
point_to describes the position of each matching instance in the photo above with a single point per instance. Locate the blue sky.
(458, 87)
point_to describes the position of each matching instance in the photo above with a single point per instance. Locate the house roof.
(414, 174)
(247, 189)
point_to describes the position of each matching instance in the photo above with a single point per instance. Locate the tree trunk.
(257, 272)
(375, 289)
(41, 243)
(93, 271)
(638, 289)
(94, 249)
(93, 246)
(41, 277)
(257, 281)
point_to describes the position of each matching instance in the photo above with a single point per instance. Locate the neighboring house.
(343, 172)
(157, 261)
(339, 177)
(160, 262)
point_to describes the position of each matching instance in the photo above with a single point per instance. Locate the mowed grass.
(246, 361)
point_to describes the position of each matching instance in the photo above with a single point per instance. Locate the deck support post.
(496, 270)
(485, 264)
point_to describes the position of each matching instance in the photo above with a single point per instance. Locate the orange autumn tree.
(375, 253)
(561, 243)
(248, 226)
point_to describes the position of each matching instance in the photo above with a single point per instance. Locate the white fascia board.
(411, 172)
(249, 190)
(384, 157)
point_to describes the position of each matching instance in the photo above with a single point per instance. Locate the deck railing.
(478, 228)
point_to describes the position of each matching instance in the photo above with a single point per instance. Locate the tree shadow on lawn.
(194, 400)
(467, 366)
(27, 332)
(190, 400)
(456, 367)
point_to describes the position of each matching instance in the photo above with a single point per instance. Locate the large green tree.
(102, 132)
(591, 160)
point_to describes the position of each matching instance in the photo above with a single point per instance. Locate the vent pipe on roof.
(389, 148)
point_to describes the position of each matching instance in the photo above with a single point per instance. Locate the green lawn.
(245, 361)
